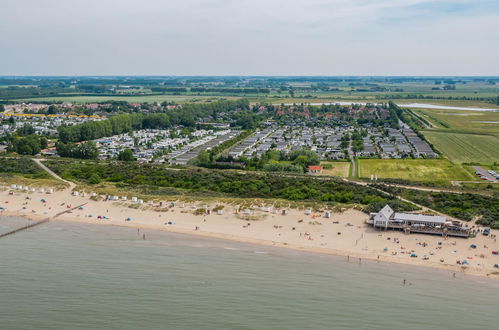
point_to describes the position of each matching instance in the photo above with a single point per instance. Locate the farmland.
(465, 148)
(128, 98)
(425, 170)
(476, 122)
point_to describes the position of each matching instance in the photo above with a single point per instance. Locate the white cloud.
(285, 37)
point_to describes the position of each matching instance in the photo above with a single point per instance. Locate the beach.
(343, 233)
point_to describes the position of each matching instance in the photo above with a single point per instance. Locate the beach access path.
(52, 173)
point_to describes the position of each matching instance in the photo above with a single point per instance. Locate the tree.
(94, 179)
(126, 155)
(43, 142)
(25, 130)
(87, 150)
(202, 158)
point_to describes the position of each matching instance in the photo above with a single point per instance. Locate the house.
(314, 169)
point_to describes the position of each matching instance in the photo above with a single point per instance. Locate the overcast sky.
(249, 37)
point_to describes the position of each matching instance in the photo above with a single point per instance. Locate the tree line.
(187, 116)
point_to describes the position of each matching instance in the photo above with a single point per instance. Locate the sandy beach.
(343, 234)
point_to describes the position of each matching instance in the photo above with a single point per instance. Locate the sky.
(249, 37)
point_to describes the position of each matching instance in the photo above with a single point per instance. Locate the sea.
(63, 275)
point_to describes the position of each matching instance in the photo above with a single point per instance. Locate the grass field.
(426, 170)
(465, 148)
(326, 97)
(131, 99)
(338, 169)
(477, 122)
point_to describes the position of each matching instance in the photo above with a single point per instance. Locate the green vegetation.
(22, 165)
(484, 209)
(426, 170)
(86, 150)
(443, 90)
(466, 148)
(186, 116)
(126, 155)
(459, 121)
(25, 142)
(225, 183)
(275, 161)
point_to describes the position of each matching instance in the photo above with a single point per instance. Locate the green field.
(457, 121)
(132, 99)
(465, 148)
(425, 170)
(338, 169)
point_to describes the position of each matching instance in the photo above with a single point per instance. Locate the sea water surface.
(77, 276)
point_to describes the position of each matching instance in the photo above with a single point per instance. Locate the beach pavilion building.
(386, 218)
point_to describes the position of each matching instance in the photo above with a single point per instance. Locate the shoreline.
(339, 236)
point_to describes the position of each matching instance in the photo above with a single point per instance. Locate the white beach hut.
(123, 198)
(134, 199)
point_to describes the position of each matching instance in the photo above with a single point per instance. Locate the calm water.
(75, 276)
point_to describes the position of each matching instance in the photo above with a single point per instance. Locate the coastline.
(344, 234)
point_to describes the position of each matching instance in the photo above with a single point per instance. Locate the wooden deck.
(444, 232)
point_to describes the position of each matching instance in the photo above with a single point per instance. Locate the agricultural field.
(465, 148)
(340, 169)
(476, 122)
(132, 99)
(424, 170)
